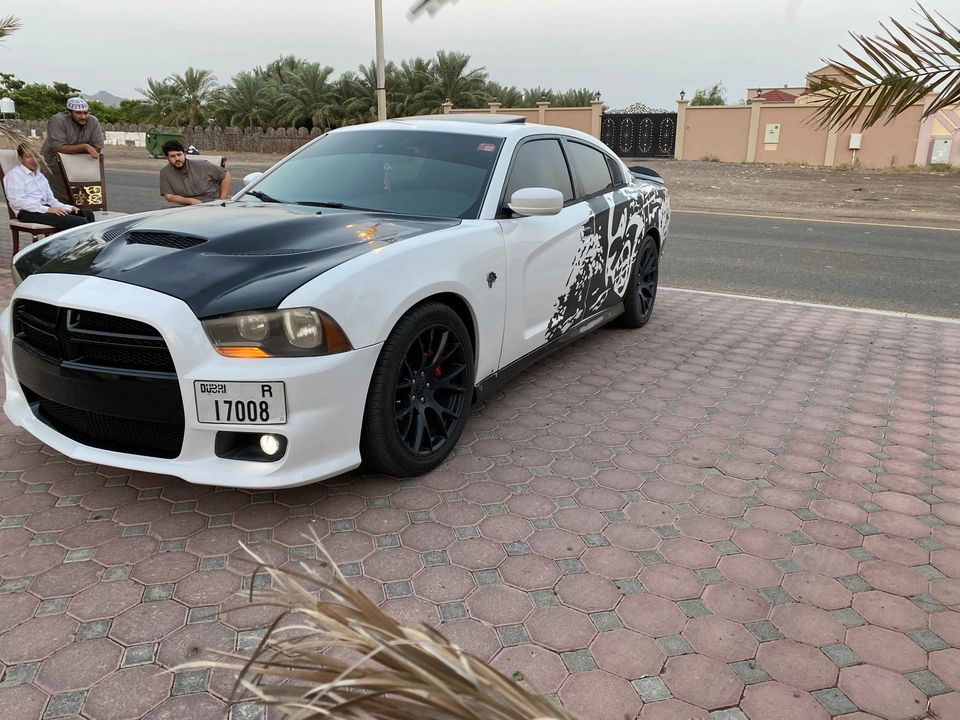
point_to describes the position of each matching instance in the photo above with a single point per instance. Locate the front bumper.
(325, 395)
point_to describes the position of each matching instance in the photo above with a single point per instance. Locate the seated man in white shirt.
(29, 196)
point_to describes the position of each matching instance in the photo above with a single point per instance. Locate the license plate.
(240, 403)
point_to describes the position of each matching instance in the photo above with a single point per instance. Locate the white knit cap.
(77, 103)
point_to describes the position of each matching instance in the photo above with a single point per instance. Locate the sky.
(628, 50)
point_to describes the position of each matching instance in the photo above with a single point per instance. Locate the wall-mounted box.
(855, 140)
(940, 151)
(771, 134)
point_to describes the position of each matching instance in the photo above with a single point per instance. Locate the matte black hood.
(224, 257)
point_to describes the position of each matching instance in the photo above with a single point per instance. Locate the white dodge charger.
(347, 307)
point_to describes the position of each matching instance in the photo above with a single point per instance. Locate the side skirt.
(492, 383)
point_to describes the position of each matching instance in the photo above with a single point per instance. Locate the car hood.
(223, 257)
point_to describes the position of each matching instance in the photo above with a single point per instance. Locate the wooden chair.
(214, 159)
(8, 161)
(85, 182)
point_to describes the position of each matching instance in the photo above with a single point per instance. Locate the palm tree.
(892, 73)
(413, 82)
(8, 26)
(195, 91)
(452, 81)
(160, 100)
(303, 98)
(247, 101)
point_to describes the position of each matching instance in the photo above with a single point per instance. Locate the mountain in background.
(108, 99)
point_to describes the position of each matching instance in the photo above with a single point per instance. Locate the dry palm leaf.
(893, 73)
(335, 654)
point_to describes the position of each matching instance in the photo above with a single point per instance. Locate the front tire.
(419, 394)
(641, 291)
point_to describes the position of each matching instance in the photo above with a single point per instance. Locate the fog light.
(270, 444)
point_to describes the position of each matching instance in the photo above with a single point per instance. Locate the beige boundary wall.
(738, 133)
(584, 119)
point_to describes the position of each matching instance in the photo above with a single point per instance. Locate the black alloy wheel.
(420, 393)
(641, 292)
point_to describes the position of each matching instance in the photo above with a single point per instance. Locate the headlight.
(296, 332)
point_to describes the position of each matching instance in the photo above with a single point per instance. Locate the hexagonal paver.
(689, 553)
(79, 665)
(36, 638)
(893, 578)
(889, 611)
(444, 583)
(776, 701)
(22, 702)
(946, 665)
(148, 622)
(392, 564)
(886, 648)
(476, 553)
(651, 615)
(112, 697)
(762, 543)
(750, 571)
(819, 590)
(671, 581)
(588, 593)
(796, 664)
(560, 628)
(627, 654)
(702, 681)
(807, 624)
(529, 572)
(599, 696)
(542, 670)
(882, 692)
(499, 605)
(721, 639)
(735, 602)
(611, 562)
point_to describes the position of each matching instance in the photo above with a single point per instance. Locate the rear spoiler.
(640, 172)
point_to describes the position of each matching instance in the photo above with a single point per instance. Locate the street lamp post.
(381, 88)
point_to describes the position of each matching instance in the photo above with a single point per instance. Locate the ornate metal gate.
(640, 135)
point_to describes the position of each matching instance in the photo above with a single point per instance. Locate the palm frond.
(890, 73)
(335, 654)
(8, 25)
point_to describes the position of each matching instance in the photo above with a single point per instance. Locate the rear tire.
(420, 393)
(641, 293)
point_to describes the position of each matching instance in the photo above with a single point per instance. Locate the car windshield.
(409, 172)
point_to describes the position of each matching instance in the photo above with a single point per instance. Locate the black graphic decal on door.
(605, 258)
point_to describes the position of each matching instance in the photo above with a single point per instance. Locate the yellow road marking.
(817, 220)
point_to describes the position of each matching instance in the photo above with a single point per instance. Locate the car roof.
(470, 124)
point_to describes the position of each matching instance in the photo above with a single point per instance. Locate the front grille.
(137, 437)
(91, 339)
(114, 233)
(164, 239)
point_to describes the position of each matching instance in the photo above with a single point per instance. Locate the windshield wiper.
(329, 204)
(262, 196)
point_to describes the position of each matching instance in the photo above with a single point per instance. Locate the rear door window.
(540, 163)
(591, 168)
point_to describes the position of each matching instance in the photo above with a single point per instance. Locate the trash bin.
(156, 139)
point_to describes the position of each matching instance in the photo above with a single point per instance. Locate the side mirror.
(536, 201)
(247, 179)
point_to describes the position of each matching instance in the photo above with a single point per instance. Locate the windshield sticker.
(486, 147)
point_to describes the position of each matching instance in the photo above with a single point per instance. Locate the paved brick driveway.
(746, 509)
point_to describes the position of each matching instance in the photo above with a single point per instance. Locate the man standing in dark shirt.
(191, 182)
(74, 130)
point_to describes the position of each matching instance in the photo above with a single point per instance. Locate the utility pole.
(381, 89)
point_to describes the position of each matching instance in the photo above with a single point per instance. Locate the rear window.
(591, 168)
(407, 172)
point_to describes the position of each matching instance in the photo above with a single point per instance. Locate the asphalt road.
(901, 269)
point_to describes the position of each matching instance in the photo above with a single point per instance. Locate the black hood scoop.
(225, 257)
